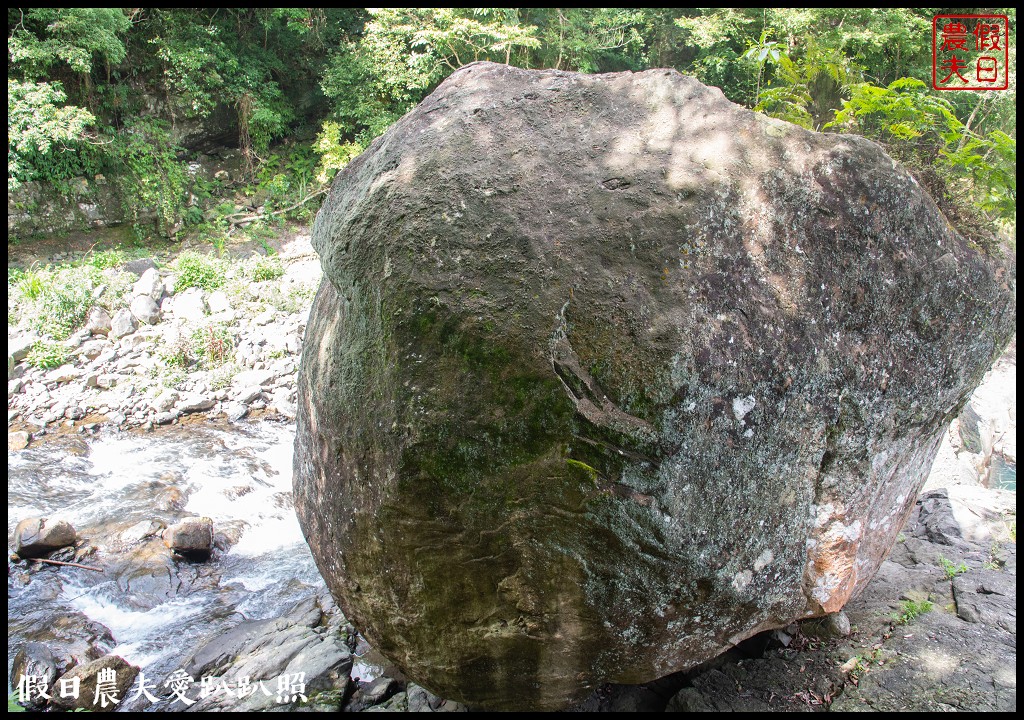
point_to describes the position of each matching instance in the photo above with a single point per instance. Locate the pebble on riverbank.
(36, 537)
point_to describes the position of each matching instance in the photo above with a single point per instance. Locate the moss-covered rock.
(607, 374)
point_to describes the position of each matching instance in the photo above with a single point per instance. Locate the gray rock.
(249, 393)
(675, 375)
(149, 285)
(18, 349)
(164, 401)
(163, 418)
(63, 374)
(988, 597)
(139, 267)
(252, 378)
(14, 387)
(195, 403)
(34, 660)
(116, 418)
(235, 411)
(140, 531)
(191, 536)
(218, 302)
(372, 693)
(123, 323)
(35, 537)
(88, 676)
(17, 440)
(98, 321)
(422, 700)
(94, 348)
(145, 310)
(75, 412)
(189, 306)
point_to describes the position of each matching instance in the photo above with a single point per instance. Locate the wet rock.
(145, 310)
(34, 660)
(93, 675)
(372, 693)
(123, 323)
(17, 440)
(36, 537)
(235, 411)
(676, 376)
(422, 700)
(269, 649)
(192, 537)
(98, 322)
(140, 531)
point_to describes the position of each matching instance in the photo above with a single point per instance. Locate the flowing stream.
(240, 477)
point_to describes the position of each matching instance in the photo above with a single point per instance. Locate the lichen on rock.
(607, 374)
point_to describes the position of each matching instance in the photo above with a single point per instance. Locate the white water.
(240, 478)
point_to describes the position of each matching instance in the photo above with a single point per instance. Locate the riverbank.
(162, 339)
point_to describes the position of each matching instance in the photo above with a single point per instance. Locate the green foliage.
(260, 269)
(12, 704)
(44, 37)
(46, 355)
(106, 259)
(909, 610)
(150, 175)
(86, 86)
(42, 132)
(334, 153)
(199, 271)
(951, 569)
(212, 345)
(921, 129)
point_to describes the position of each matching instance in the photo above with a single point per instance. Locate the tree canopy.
(109, 89)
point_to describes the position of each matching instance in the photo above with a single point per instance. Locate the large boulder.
(607, 374)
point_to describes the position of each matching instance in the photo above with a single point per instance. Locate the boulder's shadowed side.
(607, 374)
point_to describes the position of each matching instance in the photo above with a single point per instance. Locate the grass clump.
(47, 355)
(213, 345)
(210, 346)
(951, 569)
(199, 271)
(909, 610)
(260, 269)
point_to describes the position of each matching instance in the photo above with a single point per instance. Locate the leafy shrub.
(260, 269)
(213, 345)
(199, 271)
(46, 355)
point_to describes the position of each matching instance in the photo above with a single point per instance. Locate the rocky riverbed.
(129, 367)
(125, 449)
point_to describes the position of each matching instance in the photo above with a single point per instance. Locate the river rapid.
(157, 610)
